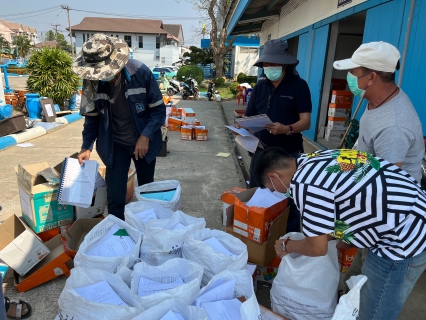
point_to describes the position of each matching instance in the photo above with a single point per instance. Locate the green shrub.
(241, 78)
(190, 71)
(50, 74)
(253, 84)
(219, 81)
(233, 87)
(250, 79)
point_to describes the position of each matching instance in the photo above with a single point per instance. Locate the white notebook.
(78, 182)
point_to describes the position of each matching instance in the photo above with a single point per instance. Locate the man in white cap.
(390, 127)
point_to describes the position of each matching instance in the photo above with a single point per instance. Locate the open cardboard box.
(20, 247)
(74, 236)
(51, 267)
(260, 254)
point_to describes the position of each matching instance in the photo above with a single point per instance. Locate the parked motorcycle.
(174, 87)
(190, 88)
(210, 91)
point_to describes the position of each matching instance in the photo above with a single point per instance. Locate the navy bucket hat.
(275, 51)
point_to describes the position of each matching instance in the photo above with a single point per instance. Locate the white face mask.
(287, 193)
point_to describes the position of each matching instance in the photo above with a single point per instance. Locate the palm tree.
(24, 45)
(3, 43)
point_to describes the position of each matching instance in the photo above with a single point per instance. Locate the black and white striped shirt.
(361, 199)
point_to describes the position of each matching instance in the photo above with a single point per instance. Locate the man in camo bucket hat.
(124, 111)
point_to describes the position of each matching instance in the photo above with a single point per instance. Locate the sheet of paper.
(268, 314)
(178, 226)
(113, 244)
(49, 110)
(148, 287)
(251, 268)
(172, 316)
(147, 215)
(25, 145)
(223, 310)
(101, 292)
(255, 123)
(164, 196)
(78, 182)
(100, 182)
(263, 198)
(218, 246)
(220, 290)
(240, 131)
(250, 143)
(223, 154)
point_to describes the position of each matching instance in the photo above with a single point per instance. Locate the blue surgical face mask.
(353, 84)
(287, 193)
(108, 79)
(273, 73)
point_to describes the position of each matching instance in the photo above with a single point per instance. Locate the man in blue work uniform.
(126, 117)
(286, 99)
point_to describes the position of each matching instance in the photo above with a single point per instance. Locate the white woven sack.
(348, 306)
(175, 305)
(132, 208)
(74, 306)
(109, 264)
(212, 261)
(161, 244)
(171, 270)
(243, 288)
(305, 288)
(174, 204)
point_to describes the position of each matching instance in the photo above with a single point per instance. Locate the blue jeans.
(116, 177)
(388, 286)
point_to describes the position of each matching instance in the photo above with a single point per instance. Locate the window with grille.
(140, 41)
(128, 40)
(84, 37)
(157, 42)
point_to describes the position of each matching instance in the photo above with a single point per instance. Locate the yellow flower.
(362, 159)
(339, 235)
(347, 156)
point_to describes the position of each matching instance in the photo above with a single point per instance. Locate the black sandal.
(19, 304)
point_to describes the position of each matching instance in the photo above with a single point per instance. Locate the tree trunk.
(219, 66)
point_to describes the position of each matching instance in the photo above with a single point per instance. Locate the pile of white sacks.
(168, 250)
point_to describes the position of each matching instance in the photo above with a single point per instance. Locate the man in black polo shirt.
(286, 99)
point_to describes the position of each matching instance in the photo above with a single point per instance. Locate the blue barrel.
(6, 111)
(71, 105)
(33, 105)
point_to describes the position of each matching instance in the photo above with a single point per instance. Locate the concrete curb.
(35, 132)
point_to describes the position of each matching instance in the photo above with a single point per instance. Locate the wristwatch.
(290, 132)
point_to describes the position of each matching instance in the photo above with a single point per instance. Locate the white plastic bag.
(125, 269)
(175, 305)
(170, 271)
(305, 288)
(348, 306)
(109, 264)
(243, 288)
(160, 243)
(135, 207)
(74, 306)
(212, 261)
(174, 204)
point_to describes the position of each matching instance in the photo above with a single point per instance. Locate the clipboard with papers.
(246, 139)
(254, 123)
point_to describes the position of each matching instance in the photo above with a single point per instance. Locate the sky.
(33, 13)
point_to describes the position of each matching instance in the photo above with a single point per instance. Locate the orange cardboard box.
(51, 267)
(49, 234)
(345, 257)
(176, 112)
(194, 123)
(342, 97)
(188, 115)
(174, 124)
(255, 221)
(186, 132)
(201, 133)
(228, 199)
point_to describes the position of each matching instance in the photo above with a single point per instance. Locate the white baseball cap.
(377, 56)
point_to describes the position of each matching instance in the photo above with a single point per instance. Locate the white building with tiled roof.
(10, 30)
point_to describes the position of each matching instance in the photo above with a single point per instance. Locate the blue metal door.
(316, 74)
(303, 50)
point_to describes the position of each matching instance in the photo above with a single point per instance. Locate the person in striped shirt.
(365, 202)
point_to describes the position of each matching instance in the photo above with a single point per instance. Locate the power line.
(21, 18)
(140, 17)
(31, 12)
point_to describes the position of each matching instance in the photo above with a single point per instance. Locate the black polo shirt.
(291, 97)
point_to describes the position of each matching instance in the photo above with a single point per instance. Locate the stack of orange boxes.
(339, 111)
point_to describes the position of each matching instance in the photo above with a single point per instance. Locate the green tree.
(24, 45)
(50, 36)
(198, 56)
(59, 38)
(50, 74)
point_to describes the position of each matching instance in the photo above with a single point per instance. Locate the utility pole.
(69, 28)
(56, 29)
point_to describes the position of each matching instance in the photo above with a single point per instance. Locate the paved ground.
(203, 177)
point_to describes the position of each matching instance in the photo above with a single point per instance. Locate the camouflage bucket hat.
(101, 57)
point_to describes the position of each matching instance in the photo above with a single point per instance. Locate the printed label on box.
(241, 225)
(239, 231)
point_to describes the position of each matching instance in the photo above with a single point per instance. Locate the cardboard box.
(339, 110)
(96, 209)
(269, 314)
(345, 257)
(186, 132)
(39, 200)
(49, 234)
(228, 199)
(73, 236)
(20, 248)
(337, 123)
(192, 123)
(174, 124)
(176, 112)
(53, 266)
(201, 133)
(342, 97)
(334, 135)
(188, 115)
(261, 254)
(254, 222)
(268, 273)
